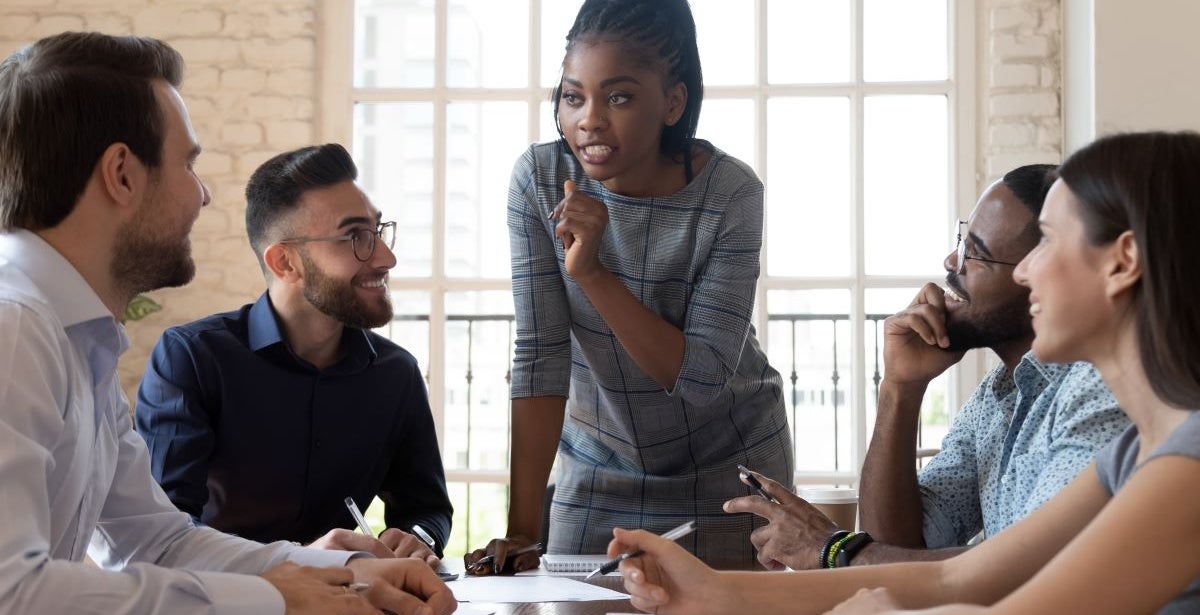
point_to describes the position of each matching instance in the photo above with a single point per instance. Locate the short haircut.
(64, 100)
(1030, 184)
(277, 185)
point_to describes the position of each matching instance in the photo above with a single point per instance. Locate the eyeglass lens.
(364, 240)
(962, 249)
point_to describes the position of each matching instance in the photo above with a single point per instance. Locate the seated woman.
(1114, 281)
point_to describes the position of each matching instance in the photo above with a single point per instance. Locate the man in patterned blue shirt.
(1028, 429)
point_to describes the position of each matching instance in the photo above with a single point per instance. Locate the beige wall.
(252, 91)
(250, 87)
(1131, 66)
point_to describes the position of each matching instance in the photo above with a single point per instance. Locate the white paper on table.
(472, 609)
(529, 589)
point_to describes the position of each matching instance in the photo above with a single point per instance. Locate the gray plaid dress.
(633, 454)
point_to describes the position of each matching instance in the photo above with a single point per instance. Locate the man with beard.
(1026, 432)
(262, 421)
(98, 194)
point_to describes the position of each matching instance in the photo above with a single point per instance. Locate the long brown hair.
(1150, 183)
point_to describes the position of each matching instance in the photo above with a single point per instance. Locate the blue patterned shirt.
(633, 453)
(1014, 445)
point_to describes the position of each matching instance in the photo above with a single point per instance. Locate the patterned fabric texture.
(632, 453)
(1014, 445)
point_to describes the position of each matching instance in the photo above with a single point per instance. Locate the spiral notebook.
(581, 564)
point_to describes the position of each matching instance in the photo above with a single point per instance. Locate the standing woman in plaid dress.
(635, 253)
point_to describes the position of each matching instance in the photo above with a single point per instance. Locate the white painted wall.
(1143, 57)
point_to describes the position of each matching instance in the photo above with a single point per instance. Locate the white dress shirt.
(75, 478)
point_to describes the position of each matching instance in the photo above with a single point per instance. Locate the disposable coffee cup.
(839, 504)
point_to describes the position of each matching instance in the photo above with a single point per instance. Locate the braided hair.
(656, 32)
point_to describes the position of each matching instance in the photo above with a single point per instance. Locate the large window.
(853, 112)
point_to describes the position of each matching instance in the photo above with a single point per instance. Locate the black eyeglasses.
(963, 256)
(362, 240)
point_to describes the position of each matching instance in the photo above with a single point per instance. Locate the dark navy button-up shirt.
(250, 439)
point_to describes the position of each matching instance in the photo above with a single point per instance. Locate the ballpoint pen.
(488, 559)
(423, 535)
(748, 477)
(358, 516)
(611, 565)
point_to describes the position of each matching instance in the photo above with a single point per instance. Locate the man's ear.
(283, 263)
(122, 175)
(1124, 265)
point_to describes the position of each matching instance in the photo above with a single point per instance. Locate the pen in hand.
(423, 535)
(611, 565)
(491, 557)
(748, 477)
(358, 517)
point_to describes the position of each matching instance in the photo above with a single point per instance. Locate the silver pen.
(423, 535)
(358, 516)
(611, 565)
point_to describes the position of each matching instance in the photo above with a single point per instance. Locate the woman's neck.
(1125, 376)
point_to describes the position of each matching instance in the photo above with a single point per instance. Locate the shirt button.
(317, 444)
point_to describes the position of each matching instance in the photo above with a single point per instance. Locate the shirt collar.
(264, 331)
(264, 328)
(69, 295)
(1032, 375)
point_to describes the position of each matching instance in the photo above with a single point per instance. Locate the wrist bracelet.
(823, 557)
(844, 551)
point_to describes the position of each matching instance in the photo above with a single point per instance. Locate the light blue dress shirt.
(1014, 445)
(76, 478)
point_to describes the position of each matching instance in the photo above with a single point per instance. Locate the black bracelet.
(823, 561)
(850, 548)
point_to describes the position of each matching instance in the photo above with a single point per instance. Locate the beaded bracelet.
(823, 558)
(843, 552)
(833, 549)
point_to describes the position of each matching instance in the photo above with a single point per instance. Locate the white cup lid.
(843, 495)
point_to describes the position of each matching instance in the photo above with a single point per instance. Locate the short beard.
(1001, 324)
(143, 261)
(338, 300)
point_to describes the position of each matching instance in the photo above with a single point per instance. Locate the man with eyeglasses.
(1028, 429)
(262, 421)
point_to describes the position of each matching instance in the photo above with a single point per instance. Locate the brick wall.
(1020, 76)
(250, 88)
(251, 91)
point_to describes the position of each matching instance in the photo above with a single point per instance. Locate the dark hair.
(659, 31)
(1150, 183)
(1030, 184)
(276, 186)
(63, 101)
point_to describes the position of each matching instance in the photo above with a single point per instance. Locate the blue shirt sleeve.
(949, 483)
(172, 418)
(414, 489)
